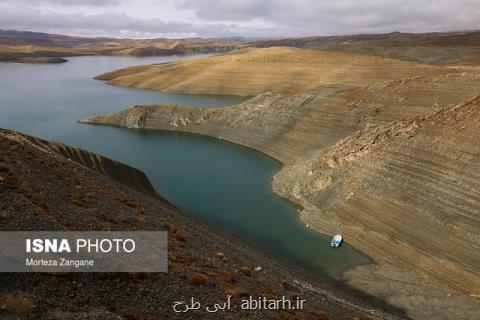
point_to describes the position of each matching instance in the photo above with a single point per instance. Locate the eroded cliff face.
(290, 127)
(392, 166)
(413, 182)
(115, 170)
(406, 193)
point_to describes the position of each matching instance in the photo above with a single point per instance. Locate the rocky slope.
(289, 127)
(254, 71)
(411, 182)
(50, 186)
(380, 164)
(131, 177)
(407, 194)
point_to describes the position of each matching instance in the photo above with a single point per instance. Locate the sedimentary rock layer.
(392, 166)
(408, 192)
(289, 127)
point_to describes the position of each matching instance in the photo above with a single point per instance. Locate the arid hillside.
(409, 187)
(289, 127)
(255, 71)
(390, 165)
(50, 186)
(461, 48)
(393, 39)
(408, 194)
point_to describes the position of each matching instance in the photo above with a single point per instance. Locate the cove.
(225, 184)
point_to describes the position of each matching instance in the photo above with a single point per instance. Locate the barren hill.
(408, 201)
(394, 39)
(254, 71)
(288, 127)
(412, 182)
(462, 47)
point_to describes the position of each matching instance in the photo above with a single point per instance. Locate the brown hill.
(413, 182)
(405, 203)
(407, 192)
(430, 48)
(254, 71)
(395, 39)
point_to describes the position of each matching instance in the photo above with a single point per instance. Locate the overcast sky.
(251, 18)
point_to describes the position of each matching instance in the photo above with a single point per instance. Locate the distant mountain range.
(28, 46)
(15, 37)
(460, 38)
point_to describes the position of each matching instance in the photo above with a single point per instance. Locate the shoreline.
(295, 205)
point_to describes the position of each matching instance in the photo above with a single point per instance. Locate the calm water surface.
(222, 183)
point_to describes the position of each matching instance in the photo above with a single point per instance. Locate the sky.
(229, 18)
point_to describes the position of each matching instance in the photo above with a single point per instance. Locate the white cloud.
(235, 10)
(320, 17)
(207, 18)
(69, 3)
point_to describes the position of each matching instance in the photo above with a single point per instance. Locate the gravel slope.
(48, 186)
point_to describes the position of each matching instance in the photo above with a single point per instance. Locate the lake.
(225, 184)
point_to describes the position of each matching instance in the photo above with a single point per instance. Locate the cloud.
(69, 3)
(321, 17)
(258, 18)
(236, 10)
(111, 24)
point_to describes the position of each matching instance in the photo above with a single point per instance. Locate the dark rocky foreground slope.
(50, 186)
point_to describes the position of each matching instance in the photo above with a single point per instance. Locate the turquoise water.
(223, 183)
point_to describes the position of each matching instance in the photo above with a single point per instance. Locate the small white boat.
(337, 241)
